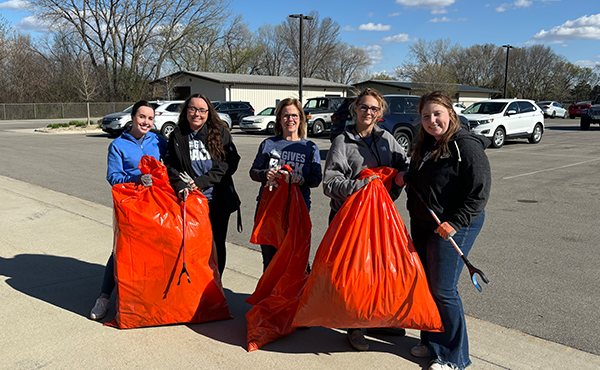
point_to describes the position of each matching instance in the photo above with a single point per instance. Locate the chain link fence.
(59, 110)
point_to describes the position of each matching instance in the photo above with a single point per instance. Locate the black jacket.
(219, 176)
(456, 187)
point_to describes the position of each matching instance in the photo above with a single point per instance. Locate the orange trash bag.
(148, 253)
(366, 273)
(282, 221)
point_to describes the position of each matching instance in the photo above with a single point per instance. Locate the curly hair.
(285, 103)
(214, 142)
(425, 138)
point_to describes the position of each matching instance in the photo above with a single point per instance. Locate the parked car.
(501, 119)
(318, 113)
(401, 120)
(166, 116)
(262, 122)
(579, 109)
(115, 123)
(237, 110)
(458, 107)
(592, 115)
(553, 109)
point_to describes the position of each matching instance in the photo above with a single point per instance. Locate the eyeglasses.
(291, 116)
(193, 110)
(365, 109)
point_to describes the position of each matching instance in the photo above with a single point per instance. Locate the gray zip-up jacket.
(349, 155)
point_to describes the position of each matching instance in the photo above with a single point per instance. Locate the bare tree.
(480, 65)
(427, 53)
(239, 51)
(344, 64)
(319, 41)
(276, 57)
(130, 39)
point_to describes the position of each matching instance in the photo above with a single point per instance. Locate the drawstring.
(457, 151)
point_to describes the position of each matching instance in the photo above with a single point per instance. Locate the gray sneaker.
(357, 340)
(420, 350)
(100, 309)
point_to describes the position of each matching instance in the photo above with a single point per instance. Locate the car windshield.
(485, 108)
(544, 103)
(267, 112)
(128, 110)
(584, 103)
(315, 103)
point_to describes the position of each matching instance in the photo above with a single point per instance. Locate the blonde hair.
(373, 93)
(285, 103)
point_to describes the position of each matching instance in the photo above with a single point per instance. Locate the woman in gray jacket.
(362, 145)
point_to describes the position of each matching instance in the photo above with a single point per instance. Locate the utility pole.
(308, 18)
(508, 47)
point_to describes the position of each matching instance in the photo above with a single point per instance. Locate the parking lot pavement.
(52, 253)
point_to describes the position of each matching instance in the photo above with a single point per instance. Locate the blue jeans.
(443, 266)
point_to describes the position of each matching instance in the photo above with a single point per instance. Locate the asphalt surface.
(538, 246)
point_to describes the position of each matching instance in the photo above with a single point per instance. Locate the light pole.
(308, 18)
(508, 47)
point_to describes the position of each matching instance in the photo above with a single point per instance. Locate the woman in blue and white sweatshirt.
(289, 147)
(124, 155)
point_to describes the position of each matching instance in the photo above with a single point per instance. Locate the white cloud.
(374, 27)
(374, 52)
(523, 3)
(586, 27)
(461, 19)
(394, 14)
(435, 6)
(370, 14)
(31, 23)
(500, 9)
(586, 63)
(348, 28)
(401, 37)
(14, 5)
(436, 20)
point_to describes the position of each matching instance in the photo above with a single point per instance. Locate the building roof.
(234, 78)
(420, 86)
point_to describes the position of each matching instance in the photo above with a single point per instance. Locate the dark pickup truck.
(592, 115)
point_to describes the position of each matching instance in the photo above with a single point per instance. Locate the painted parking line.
(551, 169)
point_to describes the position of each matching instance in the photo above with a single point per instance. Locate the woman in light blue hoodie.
(124, 155)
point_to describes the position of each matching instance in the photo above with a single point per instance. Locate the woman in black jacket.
(201, 148)
(450, 170)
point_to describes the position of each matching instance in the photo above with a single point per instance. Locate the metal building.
(259, 91)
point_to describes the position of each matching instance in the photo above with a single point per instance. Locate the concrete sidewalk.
(53, 248)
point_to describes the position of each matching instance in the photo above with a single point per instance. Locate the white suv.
(501, 119)
(166, 116)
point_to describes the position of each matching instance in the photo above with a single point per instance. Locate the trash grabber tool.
(183, 269)
(473, 271)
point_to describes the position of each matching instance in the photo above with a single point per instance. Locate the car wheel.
(318, 128)
(572, 116)
(553, 115)
(167, 129)
(403, 139)
(565, 115)
(271, 128)
(128, 126)
(584, 124)
(536, 135)
(498, 138)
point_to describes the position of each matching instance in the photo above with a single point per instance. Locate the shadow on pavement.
(65, 282)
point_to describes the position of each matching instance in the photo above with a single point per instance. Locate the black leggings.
(219, 221)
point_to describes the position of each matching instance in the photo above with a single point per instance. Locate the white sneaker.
(420, 350)
(438, 366)
(100, 309)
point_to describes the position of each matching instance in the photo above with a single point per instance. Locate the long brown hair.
(284, 103)
(425, 138)
(214, 142)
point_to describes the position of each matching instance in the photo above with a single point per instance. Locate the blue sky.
(385, 28)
